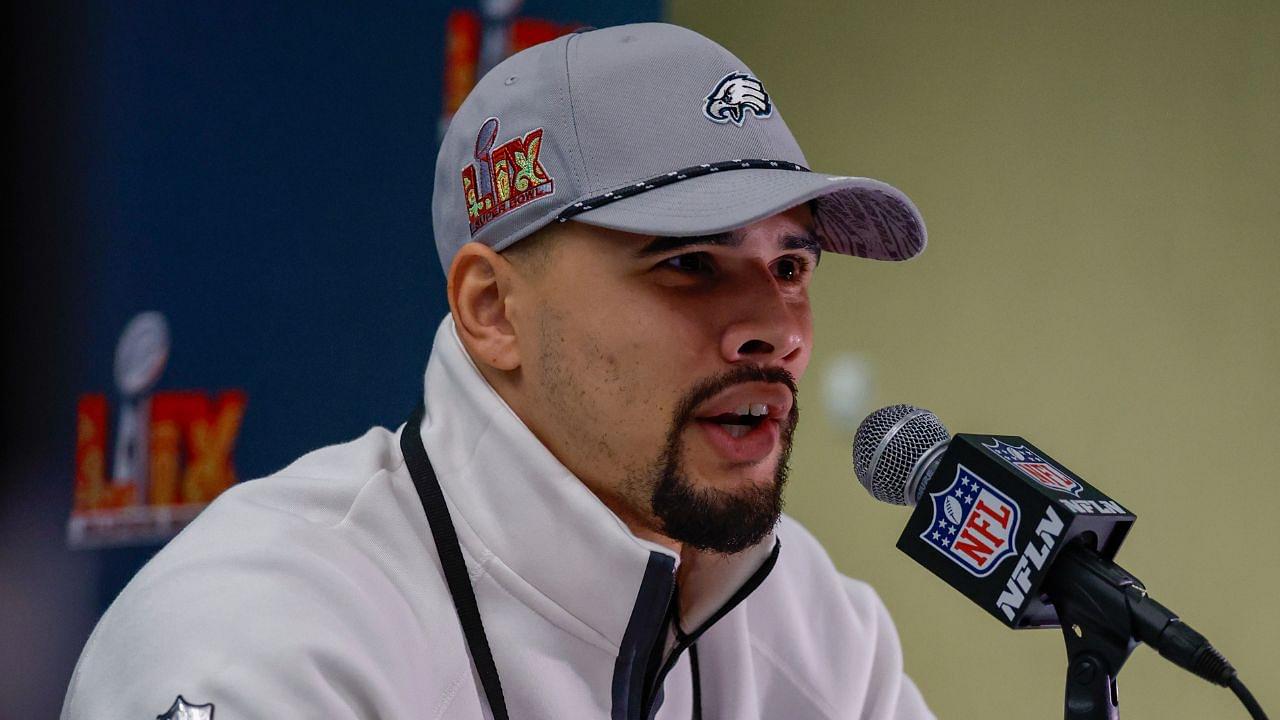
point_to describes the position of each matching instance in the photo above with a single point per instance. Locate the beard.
(712, 519)
(660, 494)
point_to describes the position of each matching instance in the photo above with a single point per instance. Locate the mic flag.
(995, 514)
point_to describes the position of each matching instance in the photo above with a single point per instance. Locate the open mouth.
(737, 425)
(743, 424)
(741, 439)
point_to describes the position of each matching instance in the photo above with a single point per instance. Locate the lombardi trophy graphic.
(141, 355)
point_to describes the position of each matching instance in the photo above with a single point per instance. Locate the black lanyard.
(455, 572)
(455, 568)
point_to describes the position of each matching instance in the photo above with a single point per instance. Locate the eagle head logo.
(734, 96)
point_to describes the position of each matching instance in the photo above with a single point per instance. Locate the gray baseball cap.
(648, 128)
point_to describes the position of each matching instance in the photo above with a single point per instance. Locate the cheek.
(638, 350)
(640, 336)
(596, 371)
(641, 365)
(805, 315)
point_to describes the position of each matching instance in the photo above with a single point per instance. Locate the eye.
(698, 263)
(792, 267)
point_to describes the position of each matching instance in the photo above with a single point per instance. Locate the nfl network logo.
(1036, 467)
(974, 524)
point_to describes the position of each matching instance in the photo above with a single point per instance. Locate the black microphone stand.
(1098, 626)
(1105, 612)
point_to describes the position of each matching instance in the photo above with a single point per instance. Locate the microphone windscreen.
(892, 448)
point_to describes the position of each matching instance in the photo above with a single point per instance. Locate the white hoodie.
(317, 592)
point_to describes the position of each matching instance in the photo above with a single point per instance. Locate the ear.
(481, 291)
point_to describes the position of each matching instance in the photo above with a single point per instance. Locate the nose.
(767, 328)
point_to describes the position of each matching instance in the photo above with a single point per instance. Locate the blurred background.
(1099, 181)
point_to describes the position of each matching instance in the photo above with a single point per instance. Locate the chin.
(728, 477)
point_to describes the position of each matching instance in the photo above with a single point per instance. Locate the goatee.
(709, 518)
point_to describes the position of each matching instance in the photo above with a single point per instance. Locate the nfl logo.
(974, 524)
(1036, 467)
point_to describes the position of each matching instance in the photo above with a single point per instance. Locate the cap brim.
(853, 215)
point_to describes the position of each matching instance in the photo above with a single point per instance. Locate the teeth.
(743, 410)
(759, 409)
(737, 430)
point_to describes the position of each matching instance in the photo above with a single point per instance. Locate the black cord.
(1246, 697)
(697, 681)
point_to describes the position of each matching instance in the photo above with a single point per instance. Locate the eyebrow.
(791, 241)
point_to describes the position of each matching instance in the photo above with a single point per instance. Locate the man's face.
(638, 353)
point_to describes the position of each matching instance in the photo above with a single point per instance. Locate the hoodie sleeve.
(255, 641)
(259, 616)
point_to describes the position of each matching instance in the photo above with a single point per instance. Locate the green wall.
(1099, 181)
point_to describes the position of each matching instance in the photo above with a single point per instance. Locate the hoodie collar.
(536, 518)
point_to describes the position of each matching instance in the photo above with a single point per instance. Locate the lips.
(754, 446)
(749, 437)
(777, 397)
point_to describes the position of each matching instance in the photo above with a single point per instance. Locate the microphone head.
(895, 449)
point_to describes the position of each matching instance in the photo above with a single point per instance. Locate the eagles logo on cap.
(734, 96)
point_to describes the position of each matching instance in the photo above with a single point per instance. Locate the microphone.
(1022, 536)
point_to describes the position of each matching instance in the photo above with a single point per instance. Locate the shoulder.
(284, 598)
(809, 571)
(829, 632)
(377, 449)
(806, 580)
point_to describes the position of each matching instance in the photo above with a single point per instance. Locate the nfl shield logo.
(1036, 467)
(974, 524)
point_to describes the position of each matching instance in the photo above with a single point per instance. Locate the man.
(582, 521)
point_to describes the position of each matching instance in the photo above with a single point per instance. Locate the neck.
(504, 384)
(688, 554)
